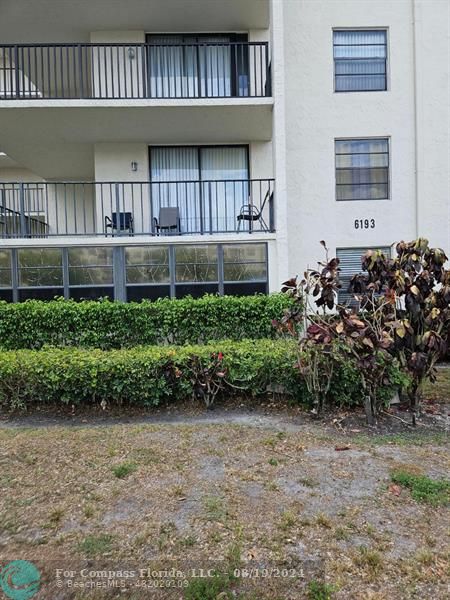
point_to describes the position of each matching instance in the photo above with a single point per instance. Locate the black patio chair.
(122, 221)
(250, 213)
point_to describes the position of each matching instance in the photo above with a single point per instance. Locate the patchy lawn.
(301, 509)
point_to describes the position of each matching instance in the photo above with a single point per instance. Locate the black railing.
(133, 71)
(136, 208)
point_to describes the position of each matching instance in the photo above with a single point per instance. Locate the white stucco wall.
(316, 116)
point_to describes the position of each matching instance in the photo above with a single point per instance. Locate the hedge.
(147, 376)
(144, 376)
(107, 325)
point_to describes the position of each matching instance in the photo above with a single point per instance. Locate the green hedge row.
(148, 376)
(109, 325)
(145, 376)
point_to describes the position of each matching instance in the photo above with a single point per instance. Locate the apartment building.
(174, 147)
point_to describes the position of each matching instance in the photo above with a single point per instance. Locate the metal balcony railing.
(135, 71)
(46, 209)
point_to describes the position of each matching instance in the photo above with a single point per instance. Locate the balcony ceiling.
(57, 142)
(49, 21)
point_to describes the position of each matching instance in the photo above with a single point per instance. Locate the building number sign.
(364, 224)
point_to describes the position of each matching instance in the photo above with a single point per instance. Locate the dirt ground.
(268, 498)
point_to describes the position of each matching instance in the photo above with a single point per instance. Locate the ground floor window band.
(133, 273)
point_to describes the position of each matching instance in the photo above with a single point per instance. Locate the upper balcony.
(57, 101)
(169, 67)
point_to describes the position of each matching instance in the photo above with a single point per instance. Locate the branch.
(398, 418)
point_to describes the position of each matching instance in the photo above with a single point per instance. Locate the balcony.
(116, 209)
(150, 71)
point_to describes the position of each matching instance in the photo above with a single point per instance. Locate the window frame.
(387, 86)
(388, 183)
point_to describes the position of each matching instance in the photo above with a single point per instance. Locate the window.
(207, 184)
(40, 273)
(5, 275)
(147, 272)
(196, 270)
(362, 169)
(133, 273)
(91, 273)
(193, 66)
(5, 269)
(244, 269)
(360, 60)
(350, 264)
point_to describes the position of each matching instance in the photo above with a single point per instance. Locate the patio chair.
(122, 221)
(250, 213)
(168, 221)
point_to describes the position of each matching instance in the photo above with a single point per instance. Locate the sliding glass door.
(174, 173)
(193, 66)
(224, 175)
(207, 185)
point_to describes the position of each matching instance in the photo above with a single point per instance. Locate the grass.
(323, 521)
(320, 591)
(124, 469)
(214, 509)
(424, 489)
(56, 516)
(405, 439)
(369, 559)
(288, 520)
(95, 545)
(439, 390)
(209, 588)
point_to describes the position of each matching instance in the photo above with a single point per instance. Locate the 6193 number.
(364, 223)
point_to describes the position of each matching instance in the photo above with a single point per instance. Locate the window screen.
(362, 169)
(360, 60)
(350, 264)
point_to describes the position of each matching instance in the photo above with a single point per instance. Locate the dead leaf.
(340, 327)
(395, 489)
(342, 448)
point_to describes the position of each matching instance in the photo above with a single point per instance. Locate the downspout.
(416, 121)
(279, 139)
